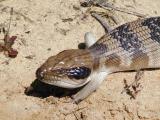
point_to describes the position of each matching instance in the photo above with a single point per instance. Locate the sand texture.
(46, 27)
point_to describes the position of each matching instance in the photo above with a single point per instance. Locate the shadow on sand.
(42, 90)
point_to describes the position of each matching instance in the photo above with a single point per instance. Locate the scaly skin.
(68, 69)
(131, 46)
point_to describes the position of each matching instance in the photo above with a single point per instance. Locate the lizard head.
(68, 69)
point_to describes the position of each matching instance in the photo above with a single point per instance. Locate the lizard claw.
(75, 99)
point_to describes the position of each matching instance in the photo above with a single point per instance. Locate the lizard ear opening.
(78, 73)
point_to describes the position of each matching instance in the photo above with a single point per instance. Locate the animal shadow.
(42, 90)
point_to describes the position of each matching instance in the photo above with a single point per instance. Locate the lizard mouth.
(64, 83)
(65, 78)
(59, 81)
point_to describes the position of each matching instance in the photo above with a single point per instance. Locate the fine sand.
(46, 27)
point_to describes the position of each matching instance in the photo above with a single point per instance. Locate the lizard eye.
(79, 72)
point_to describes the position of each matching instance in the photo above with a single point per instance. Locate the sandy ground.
(42, 31)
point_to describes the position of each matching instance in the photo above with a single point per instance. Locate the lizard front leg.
(95, 80)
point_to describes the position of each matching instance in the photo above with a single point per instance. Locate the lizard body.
(131, 46)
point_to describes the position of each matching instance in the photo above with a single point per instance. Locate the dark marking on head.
(78, 72)
(113, 60)
(139, 60)
(154, 25)
(127, 39)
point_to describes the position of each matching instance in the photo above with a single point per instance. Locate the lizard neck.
(104, 58)
(98, 50)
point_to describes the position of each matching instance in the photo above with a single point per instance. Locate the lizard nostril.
(39, 73)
